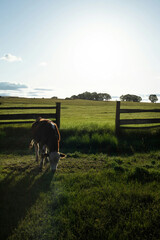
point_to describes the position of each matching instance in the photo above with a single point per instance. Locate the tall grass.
(87, 139)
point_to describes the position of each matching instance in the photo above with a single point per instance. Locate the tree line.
(105, 97)
(92, 96)
(134, 98)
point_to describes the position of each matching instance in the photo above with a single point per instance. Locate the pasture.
(107, 187)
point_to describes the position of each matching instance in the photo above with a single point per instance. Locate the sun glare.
(97, 51)
(99, 58)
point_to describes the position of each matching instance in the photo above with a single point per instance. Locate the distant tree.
(130, 98)
(54, 97)
(103, 97)
(74, 97)
(67, 98)
(153, 98)
(92, 96)
(122, 97)
(85, 95)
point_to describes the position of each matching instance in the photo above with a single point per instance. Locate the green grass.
(90, 197)
(92, 139)
(86, 126)
(73, 113)
(107, 187)
(79, 113)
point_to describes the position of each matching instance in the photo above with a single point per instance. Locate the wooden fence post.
(117, 123)
(58, 113)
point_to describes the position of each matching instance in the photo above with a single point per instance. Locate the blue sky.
(60, 48)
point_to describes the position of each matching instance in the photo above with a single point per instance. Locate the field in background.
(86, 126)
(106, 188)
(79, 113)
(73, 112)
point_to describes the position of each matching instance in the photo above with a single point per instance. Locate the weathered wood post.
(58, 113)
(117, 122)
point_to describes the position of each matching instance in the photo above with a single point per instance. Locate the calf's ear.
(62, 155)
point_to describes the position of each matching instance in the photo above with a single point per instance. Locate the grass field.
(107, 187)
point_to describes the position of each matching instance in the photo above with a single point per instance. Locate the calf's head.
(54, 159)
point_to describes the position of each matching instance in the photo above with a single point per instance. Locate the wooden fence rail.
(29, 116)
(119, 122)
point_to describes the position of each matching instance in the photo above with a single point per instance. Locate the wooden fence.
(30, 117)
(119, 122)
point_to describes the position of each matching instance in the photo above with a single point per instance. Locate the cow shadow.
(19, 191)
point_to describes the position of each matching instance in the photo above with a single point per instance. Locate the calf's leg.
(36, 147)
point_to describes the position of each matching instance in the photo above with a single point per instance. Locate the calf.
(46, 136)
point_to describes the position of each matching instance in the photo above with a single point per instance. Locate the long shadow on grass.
(19, 190)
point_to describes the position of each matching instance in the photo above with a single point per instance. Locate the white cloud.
(11, 58)
(42, 89)
(11, 86)
(43, 64)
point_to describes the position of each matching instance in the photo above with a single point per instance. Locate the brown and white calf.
(46, 138)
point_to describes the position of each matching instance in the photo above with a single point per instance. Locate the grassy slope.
(76, 113)
(86, 126)
(91, 196)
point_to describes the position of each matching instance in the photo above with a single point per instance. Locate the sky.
(62, 48)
